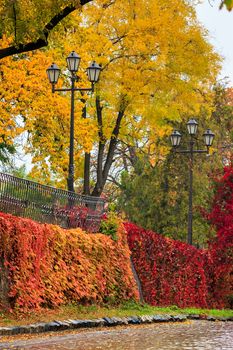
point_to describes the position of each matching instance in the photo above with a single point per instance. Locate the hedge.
(47, 266)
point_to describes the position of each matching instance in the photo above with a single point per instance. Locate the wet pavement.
(171, 336)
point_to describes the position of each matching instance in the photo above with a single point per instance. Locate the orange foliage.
(49, 266)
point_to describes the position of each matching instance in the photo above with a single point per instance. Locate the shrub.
(171, 272)
(109, 225)
(175, 273)
(49, 266)
(221, 247)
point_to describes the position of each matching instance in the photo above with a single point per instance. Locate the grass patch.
(90, 312)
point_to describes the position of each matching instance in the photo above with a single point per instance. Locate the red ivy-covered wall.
(172, 272)
(47, 266)
(221, 248)
(175, 273)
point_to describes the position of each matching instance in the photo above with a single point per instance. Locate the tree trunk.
(103, 174)
(86, 184)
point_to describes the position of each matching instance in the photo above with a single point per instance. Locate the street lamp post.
(53, 72)
(175, 141)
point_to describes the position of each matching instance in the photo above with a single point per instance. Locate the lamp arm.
(189, 151)
(69, 89)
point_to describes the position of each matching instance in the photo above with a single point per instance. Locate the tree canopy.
(154, 73)
(29, 23)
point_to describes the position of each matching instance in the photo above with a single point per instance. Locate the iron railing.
(47, 204)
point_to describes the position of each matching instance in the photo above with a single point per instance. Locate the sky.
(219, 23)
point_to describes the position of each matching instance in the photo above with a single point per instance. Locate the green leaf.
(227, 3)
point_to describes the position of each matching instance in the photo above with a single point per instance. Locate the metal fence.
(49, 205)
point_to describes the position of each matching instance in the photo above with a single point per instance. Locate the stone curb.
(103, 322)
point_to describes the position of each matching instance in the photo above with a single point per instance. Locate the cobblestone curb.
(103, 322)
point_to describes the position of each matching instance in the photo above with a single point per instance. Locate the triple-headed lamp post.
(175, 141)
(53, 72)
